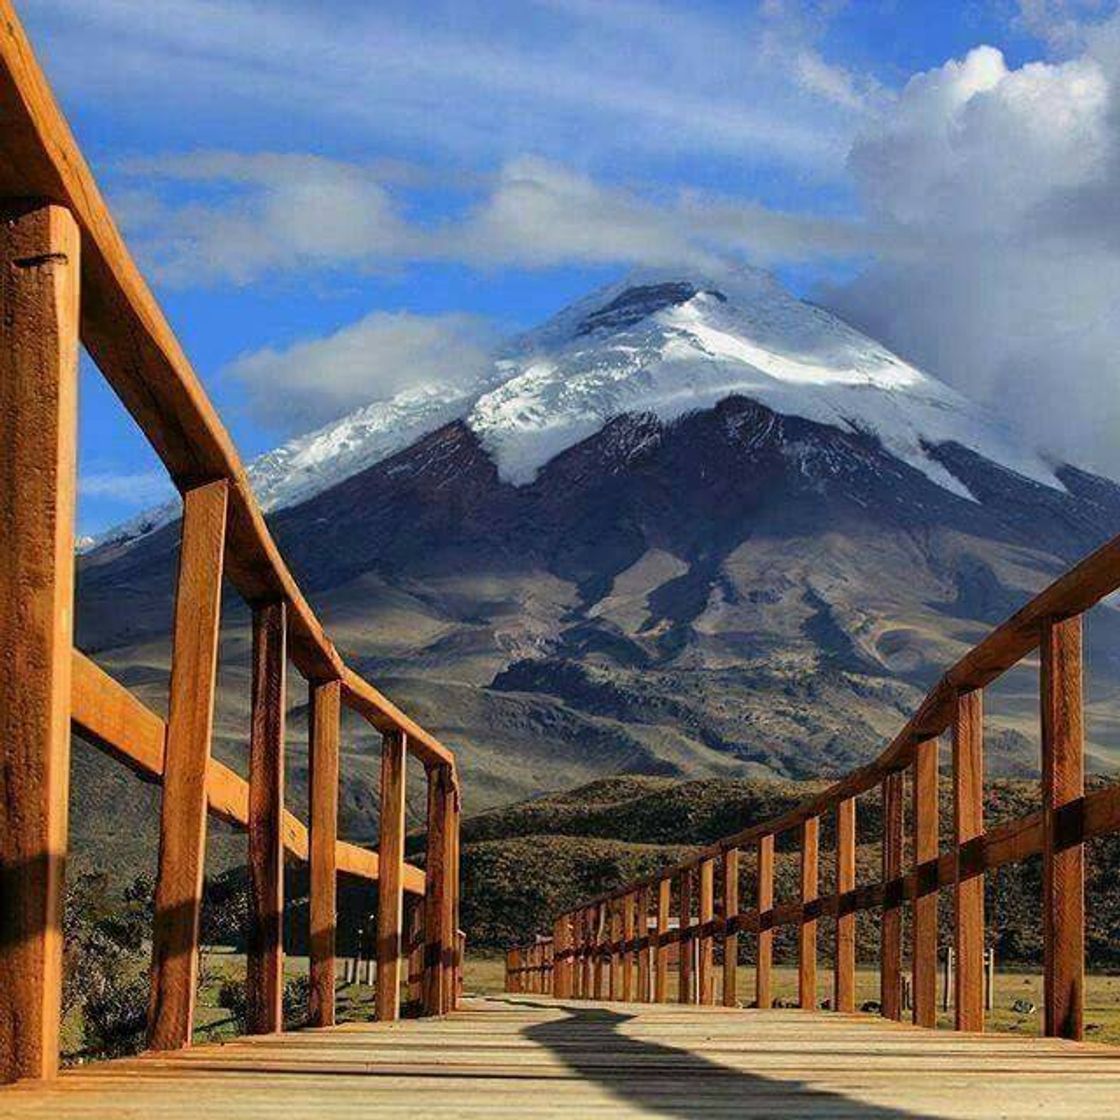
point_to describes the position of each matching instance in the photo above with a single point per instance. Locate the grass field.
(1102, 995)
(485, 975)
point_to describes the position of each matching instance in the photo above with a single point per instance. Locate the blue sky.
(429, 177)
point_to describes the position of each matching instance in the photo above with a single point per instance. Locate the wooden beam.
(628, 914)
(600, 965)
(968, 888)
(389, 889)
(437, 908)
(1063, 849)
(562, 961)
(112, 719)
(765, 889)
(325, 715)
(616, 948)
(588, 962)
(661, 952)
(705, 979)
(39, 270)
(265, 960)
(924, 965)
(645, 951)
(730, 937)
(844, 968)
(182, 834)
(807, 931)
(890, 943)
(686, 992)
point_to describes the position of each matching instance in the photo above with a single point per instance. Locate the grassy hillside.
(525, 863)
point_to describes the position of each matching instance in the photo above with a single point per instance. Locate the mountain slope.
(700, 585)
(651, 343)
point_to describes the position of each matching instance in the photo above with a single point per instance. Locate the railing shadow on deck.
(676, 1082)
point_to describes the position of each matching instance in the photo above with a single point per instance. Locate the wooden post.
(890, 942)
(765, 889)
(1063, 858)
(730, 937)
(458, 942)
(661, 952)
(968, 886)
(325, 714)
(685, 993)
(561, 960)
(588, 961)
(39, 281)
(644, 951)
(264, 983)
(600, 935)
(705, 979)
(437, 889)
(629, 906)
(390, 884)
(925, 899)
(844, 970)
(807, 931)
(182, 832)
(615, 910)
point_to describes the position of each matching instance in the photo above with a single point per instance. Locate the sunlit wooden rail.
(616, 946)
(67, 279)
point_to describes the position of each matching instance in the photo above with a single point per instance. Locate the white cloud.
(488, 80)
(295, 213)
(996, 190)
(317, 380)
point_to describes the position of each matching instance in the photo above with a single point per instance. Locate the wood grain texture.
(705, 977)
(661, 952)
(925, 821)
(264, 982)
(807, 931)
(39, 278)
(1063, 851)
(730, 938)
(686, 991)
(325, 714)
(629, 911)
(890, 944)
(765, 902)
(389, 886)
(844, 965)
(562, 965)
(968, 886)
(645, 951)
(532, 1057)
(182, 834)
(437, 896)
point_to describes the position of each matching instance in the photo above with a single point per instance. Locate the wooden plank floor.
(529, 1056)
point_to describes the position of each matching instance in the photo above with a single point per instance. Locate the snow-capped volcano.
(664, 343)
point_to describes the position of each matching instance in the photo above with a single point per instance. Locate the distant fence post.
(765, 889)
(705, 975)
(562, 961)
(264, 965)
(925, 897)
(661, 951)
(390, 888)
(1063, 849)
(684, 942)
(968, 823)
(325, 714)
(844, 965)
(39, 280)
(730, 937)
(890, 944)
(807, 931)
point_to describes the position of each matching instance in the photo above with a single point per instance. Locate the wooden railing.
(595, 948)
(66, 278)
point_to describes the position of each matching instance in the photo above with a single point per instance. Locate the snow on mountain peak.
(659, 342)
(671, 343)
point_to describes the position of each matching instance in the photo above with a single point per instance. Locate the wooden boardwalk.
(532, 1056)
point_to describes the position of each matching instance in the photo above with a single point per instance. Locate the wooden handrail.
(1049, 622)
(66, 277)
